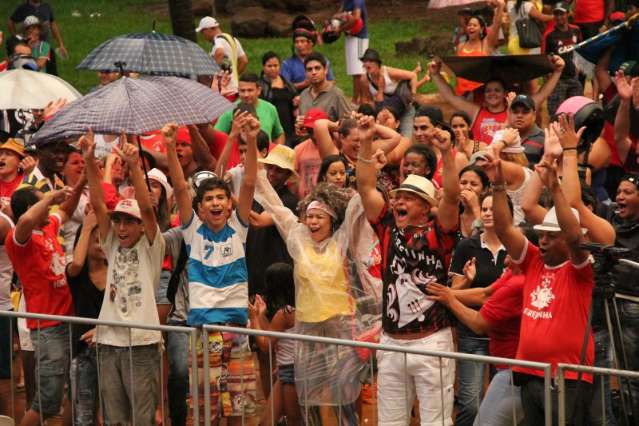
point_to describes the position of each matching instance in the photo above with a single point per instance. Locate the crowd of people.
(300, 210)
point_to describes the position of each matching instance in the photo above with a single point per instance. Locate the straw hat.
(419, 186)
(281, 156)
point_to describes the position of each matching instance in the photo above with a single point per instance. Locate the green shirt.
(266, 113)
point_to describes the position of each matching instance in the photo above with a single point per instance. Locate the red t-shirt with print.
(487, 123)
(40, 266)
(555, 312)
(8, 188)
(502, 311)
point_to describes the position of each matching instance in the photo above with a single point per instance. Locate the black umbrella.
(150, 53)
(510, 68)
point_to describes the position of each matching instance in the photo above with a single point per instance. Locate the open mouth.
(216, 212)
(2, 164)
(401, 212)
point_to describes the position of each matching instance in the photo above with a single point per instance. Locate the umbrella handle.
(146, 173)
(627, 23)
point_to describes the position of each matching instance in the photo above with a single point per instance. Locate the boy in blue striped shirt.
(215, 237)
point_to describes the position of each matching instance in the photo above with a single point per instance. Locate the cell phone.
(244, 107)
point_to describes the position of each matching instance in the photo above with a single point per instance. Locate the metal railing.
(202, 334)
(561, 385)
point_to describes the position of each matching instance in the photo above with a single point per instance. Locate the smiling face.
(495, 95)
(52, 158)
(73, 168)
(473, 28)
(423, 130)
(410, 209)
(460, 128)
(215, 208)
(9, 161)
(351, 144)
(471, 181)
(336, 174)
(128, 229)
(319, 224)
(627, 201)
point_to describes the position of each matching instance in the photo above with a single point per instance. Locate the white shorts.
(399, 381)
(355, 48)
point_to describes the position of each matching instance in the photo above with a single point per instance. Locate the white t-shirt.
(132, 278)
(221, 42)
(237, 175)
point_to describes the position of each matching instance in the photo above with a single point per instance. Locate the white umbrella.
(25, 89)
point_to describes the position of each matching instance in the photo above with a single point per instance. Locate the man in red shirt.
(589, 15)
(38, 260)
(556, 296)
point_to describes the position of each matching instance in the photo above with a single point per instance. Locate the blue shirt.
(293, 70)
(218, 287)
(351, 5)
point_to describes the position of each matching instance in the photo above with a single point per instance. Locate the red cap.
(312, 115)
(183, 135)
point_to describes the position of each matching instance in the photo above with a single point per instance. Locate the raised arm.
(387, 139)
(37, 214)
(366, 173)
(201, 152)
(599, 229)
(234, 135)
(250, 129)
(448, 211)
(82, 247)
(508, 234)
(551, 82)
(570, 227)
(492, 38)
(87, 144)
(131, 155)
(70, 204)
(622, 119)
(180, 186)
(457, 102)
(322, 132)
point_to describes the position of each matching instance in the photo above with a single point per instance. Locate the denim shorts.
(51, 347)
(286, 374)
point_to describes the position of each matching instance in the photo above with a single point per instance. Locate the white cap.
(158, 176)
(129, 207)
(30, 20)
(207, 22)
(551, 223)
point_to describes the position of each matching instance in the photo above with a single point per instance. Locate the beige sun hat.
(281, 156)
(420, 186)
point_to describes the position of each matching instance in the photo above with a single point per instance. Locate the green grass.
(82, 34)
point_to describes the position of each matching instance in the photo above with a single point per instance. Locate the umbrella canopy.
(26, 89)
(135, 106)
(440, 4)
(510, 69)
(150, 53)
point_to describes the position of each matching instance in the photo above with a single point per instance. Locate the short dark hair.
(210, 184)
(428, 154)
(268, 56)
(249, 77)
(366, 109)
(262, 140)
(434, 113)
(485, 182)
(346, 125)
(315, 56)
(22, 200)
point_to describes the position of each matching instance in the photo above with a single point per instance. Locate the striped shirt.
(218, 287)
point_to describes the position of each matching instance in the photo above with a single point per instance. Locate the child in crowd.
(276, 312)
(134, 248)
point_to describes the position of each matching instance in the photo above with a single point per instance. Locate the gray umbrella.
(135, 106)
(150, 53)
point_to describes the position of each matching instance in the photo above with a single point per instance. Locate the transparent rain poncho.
(337, 294)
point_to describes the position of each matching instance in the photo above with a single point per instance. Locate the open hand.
(440, 293)
(129, 153)
(87, 145)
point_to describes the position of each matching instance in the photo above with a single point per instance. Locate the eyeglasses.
(199, 177)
